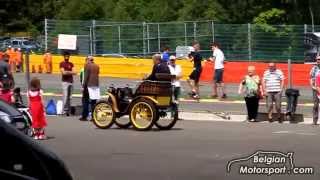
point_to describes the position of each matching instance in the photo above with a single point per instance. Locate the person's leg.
(255, 107)
(85, 104)
(176, 104)
(64, 94)
(214, 86)
(92, 104)
(269, 100)
(277, 98)
(247, 100)
(315, 107)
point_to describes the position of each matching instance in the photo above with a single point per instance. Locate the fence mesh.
(249, 42)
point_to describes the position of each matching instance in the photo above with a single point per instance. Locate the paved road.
(193, 150)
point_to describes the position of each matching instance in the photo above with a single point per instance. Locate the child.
(6, 93)
(37, 109)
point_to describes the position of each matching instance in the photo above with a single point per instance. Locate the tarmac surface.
(192, 150)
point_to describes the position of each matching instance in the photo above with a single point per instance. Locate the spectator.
(5, 71)
(6, 94)
(1, 55)
(165, 54)
(47, 60)
(91, 81)
(12, 56)
(175, 70)
(313, 74)
(250, 86)
(19, 60)
(218, 59)
(158, 67)
(194, 77)
(66, 68)
(37, 109)
(85, 93)
(273, 84)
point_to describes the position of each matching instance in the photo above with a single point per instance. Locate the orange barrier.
(235, 71)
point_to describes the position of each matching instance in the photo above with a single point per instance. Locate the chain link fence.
(249, 42)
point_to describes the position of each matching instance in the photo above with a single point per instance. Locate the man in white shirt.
(177, 71)
(218, 59)
(273, 85)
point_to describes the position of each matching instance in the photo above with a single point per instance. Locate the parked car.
(16, 118)
(24, 159)
(23, 44)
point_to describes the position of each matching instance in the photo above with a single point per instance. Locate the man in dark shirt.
(4, 67)
(194, 77)
(158, 67)
(66, 68)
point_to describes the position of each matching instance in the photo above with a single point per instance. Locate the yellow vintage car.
(150, 104)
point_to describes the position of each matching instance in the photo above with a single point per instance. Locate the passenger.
(159, 66)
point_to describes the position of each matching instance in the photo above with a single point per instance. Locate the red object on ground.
(235, 71)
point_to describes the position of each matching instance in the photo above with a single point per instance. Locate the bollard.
(33, 69)
(39, 69)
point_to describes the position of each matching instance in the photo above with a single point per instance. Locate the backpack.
(51, 108)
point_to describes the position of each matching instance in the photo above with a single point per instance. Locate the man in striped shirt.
(313, 73)
(273, 82)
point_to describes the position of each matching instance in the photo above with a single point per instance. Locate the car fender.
(114, 102)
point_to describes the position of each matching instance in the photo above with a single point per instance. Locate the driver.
(159, 66)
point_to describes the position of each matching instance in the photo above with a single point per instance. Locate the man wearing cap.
(313, 74)
(175, 70)
(91, 81)
(66, 69)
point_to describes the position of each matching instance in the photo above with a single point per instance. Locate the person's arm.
(311, 81)
(86, 75)
(179, 73)
(153, 73)
(264, 85)
(282, 81)
(240, 90)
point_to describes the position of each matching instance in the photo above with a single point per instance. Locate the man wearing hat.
(91, 81)
(175, 70)
(313, 74)
(159, 66)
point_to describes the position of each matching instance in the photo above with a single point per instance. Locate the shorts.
(218, 75)
(195, 75)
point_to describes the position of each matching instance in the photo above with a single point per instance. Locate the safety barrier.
(138, 68)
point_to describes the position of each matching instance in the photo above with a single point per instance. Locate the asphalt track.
(193, 150)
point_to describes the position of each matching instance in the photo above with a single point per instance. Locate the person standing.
(251, 87)
(313, 74)
(85, 93)
(66, 69)
(12, 58)
(47, 60)
(218, 59)
(175, 70)
(37, 109)
(273, 84)
(194, 77)
(165, 55)
(19, 60)
(91, 81)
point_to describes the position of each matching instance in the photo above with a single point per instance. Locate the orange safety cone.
(33, 69)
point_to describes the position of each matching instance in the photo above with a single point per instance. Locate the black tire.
(147, 106)
(123, 125)
(103, 115)
(167, 125)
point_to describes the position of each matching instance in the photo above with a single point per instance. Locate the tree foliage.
(28, 15)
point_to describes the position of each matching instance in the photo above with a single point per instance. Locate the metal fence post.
(90, 39)
(249, 42)
(194, 30)
(144, 38)
(185, 35)
(119, 39)
(46, 33)
(212, 28)
(305, 29)
(94, 37)
(148, 39)
(159, 36)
